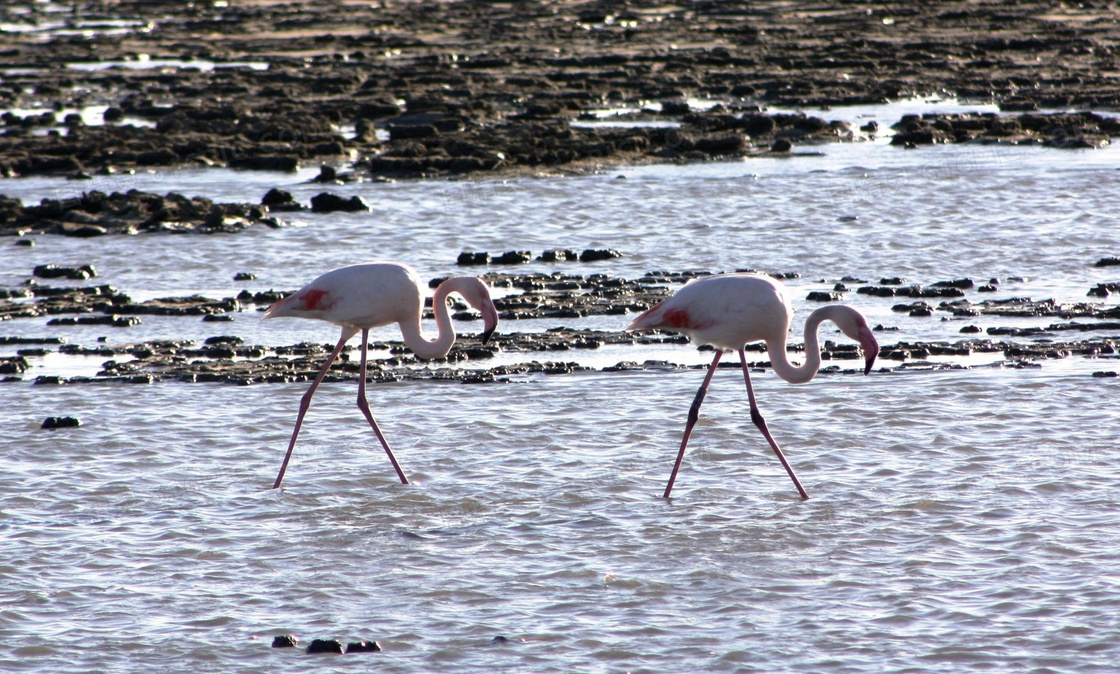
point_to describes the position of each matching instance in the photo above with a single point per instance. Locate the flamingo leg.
(693, 415)
(363, 405)
(305, 403)
(756, 417)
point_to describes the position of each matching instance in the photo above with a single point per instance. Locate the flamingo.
(364, 296)
(728, 311)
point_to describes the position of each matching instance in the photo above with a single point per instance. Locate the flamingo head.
(477, 294)
(854, 325)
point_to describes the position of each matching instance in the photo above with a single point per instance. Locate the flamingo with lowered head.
(365, 296)
(728, 311)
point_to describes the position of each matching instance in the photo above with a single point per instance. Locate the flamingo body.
(360, 296)
(729, 311)
(365, 296)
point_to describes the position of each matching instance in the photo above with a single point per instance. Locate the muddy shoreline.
(462, 89)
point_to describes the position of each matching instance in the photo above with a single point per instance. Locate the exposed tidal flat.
(963, 510)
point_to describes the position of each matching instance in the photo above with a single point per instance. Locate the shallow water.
(961, 519)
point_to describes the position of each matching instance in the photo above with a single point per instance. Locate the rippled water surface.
(960, 520)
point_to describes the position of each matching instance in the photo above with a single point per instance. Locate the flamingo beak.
(869, 345)
(489, 321)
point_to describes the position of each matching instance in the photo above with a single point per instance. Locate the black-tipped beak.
(489, 320)
(870, 347)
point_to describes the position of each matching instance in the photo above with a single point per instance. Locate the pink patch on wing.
(312, 300)
(676, 318)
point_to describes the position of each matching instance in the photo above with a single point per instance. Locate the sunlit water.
(959, 520)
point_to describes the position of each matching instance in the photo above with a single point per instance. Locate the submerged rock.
(469, 259)
(326, 202)
(50, 271)
(325, 646)
(60, 422)
(592, 255)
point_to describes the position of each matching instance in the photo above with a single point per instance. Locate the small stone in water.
(593, 255)
(61, 422)
(285, 641)
(363, 646)
(325, 646)
(473, 258)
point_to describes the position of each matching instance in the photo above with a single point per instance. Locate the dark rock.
(326, 202)
(1108, 262)
(325, 646)
(363, 646)
(513, 257)
(224, 339)
(877, 291)
(822, 296)
(781, 145)
(470, 259)
(17, 365)
(1021, 105)
(244, 276)
(378, 109)
(61, 422)
(963, 283)
(1105, 374)
(279, 162)
(73, 273)
(285, 641)
(327, 174)
(83, 231)
(723, 144)
(409, 131)
(281, 201)
(971, 329)
(558, 255)
(593, 255)
(675, 108)
(25, 242)
(498, 641)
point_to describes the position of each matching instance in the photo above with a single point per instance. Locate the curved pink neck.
(414, 336)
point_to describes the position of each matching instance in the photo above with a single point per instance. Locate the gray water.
(960, 520)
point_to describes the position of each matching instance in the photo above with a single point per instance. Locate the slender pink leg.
(363, 405)
(693, 415)
(306, 402)
(756, 417)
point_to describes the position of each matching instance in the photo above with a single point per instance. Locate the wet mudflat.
(962, 510)
(962, 491)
